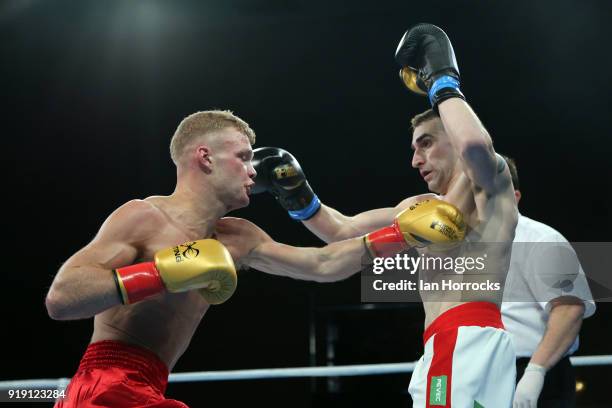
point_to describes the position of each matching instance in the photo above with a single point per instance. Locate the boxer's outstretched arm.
(84, 285)
(339, 260)
(279, 172)
(331, 263)
(330, 225)
(252, 246)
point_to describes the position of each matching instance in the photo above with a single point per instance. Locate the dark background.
(93, 91)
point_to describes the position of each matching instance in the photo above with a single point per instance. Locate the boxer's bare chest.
(489, 231)
(164, 323)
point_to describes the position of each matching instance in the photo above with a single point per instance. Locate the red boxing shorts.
(116, 374)
(468, 362)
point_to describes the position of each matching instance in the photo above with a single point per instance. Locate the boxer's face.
(233, 172)
(433, 156)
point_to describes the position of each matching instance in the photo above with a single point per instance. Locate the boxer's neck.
(198, 211)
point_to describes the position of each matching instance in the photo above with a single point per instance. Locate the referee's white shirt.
(534, 279)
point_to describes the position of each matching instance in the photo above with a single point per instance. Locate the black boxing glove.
(428, 63)
(280, 174)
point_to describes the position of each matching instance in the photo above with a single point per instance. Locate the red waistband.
(116, 354)
(483, 314)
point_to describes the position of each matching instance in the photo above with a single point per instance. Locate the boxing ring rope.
(268, 373)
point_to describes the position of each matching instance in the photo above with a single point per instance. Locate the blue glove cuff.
(445, 81)
(308, 211)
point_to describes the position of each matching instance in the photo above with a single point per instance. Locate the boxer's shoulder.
(138, 210)
(133, 220)
(407, 202)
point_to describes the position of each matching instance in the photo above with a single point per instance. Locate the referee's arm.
(562, 328)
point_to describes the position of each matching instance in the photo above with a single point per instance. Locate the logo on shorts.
(437, 391)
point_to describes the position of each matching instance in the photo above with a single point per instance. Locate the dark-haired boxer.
(468, 359)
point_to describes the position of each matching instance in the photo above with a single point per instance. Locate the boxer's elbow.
(59, 301)
(56, 304)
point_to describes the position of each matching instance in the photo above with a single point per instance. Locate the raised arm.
(473, 143)
(429, 67)
(85, 285)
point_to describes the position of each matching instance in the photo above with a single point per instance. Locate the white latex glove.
(529, 387)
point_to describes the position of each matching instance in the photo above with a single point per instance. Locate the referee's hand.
(529, 387)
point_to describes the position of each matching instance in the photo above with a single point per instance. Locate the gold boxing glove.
(204, 264)
(426, 222)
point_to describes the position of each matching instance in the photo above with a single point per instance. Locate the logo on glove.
(415, 205)
(285, 171)
(188, 253)
(444, 230)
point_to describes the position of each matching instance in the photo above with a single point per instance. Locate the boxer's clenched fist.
(427, 222)
(428, 62)
(279, 173)
(198, 264)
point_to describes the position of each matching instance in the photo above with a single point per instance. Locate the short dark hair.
(423, 117)
(513, 171)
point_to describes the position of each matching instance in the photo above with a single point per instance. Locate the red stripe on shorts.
(445, 329)
(442, 367)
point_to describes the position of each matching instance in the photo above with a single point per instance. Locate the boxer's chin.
(433, 186)
(243, 200)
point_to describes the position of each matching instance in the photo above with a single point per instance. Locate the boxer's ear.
(203, 155)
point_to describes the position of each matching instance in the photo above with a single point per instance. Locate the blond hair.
(202, 123)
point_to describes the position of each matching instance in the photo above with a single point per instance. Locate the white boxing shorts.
(469, 361)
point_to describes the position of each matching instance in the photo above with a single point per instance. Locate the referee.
(546, 296)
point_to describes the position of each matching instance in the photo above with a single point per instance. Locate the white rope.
(591, 360)
(266, 373)
(332, 371)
